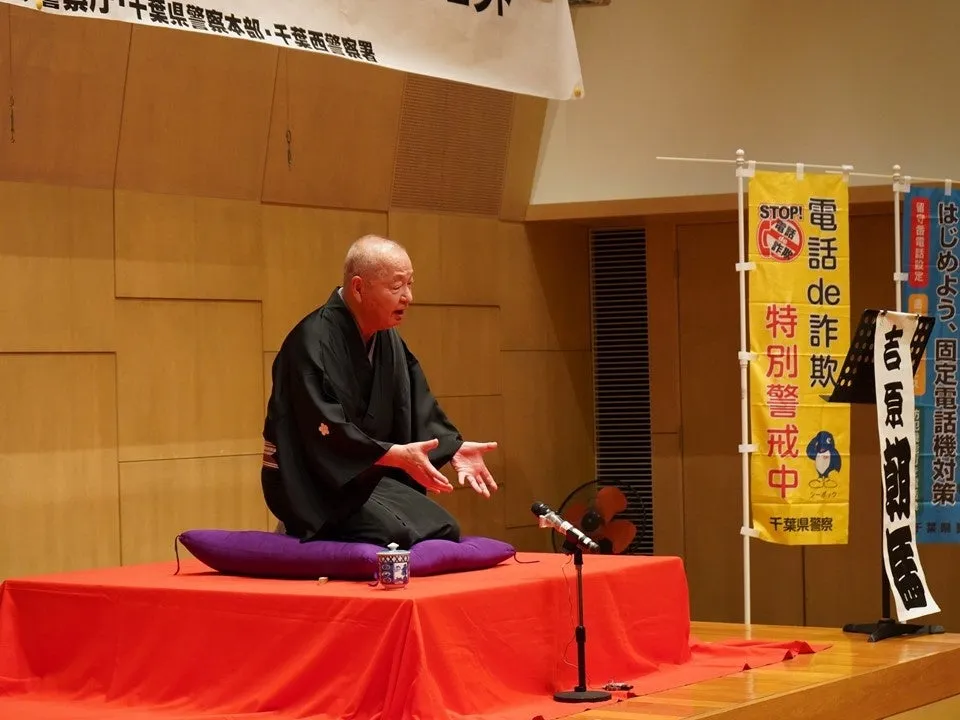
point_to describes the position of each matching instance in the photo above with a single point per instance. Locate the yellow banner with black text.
(799, 321)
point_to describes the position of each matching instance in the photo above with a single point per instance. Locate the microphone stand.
(580, 693)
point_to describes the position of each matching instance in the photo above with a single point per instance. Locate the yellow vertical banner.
(799, 320)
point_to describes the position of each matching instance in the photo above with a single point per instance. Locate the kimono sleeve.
(335, 450)
(429, 419)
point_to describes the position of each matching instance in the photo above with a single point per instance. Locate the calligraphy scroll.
(893, 375)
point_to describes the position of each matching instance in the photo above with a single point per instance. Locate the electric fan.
(593, 509)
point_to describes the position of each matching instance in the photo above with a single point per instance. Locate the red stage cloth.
(142, 642)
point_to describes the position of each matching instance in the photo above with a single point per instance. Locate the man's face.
(385, 297)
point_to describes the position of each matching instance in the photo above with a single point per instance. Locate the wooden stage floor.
(851, 680)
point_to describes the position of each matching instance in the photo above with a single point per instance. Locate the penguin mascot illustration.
(822, 450)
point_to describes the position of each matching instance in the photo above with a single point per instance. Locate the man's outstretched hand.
(468, 462)
(413, 460)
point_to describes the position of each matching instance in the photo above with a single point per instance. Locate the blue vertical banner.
(930, 257)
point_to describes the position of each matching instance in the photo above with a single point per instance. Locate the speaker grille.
(622, 374)
(452, 147)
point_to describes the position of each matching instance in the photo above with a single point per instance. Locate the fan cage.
(621, 375)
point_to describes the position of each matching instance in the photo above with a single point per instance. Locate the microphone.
(549, 518)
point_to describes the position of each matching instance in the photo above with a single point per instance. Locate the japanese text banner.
(894, 389)
(799, 314)
(524, 46)
(931, 260)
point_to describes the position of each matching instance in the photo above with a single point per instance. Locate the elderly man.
(353, 436)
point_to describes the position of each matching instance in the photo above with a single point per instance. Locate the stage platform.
(149, 643)
(901, 679)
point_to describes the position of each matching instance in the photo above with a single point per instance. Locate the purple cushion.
(437, 557)
(258, 553)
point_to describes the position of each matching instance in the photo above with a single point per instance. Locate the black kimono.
(335, 409)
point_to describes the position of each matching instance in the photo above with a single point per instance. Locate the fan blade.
(610, 501)
(574, 513)
(621, 533)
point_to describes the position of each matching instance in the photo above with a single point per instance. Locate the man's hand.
(413, 460)
(468, 462)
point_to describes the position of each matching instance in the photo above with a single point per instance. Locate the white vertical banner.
(520, 46)
(893, 376)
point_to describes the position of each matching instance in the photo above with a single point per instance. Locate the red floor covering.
(145, 643)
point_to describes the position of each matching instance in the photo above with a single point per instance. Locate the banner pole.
(897, 238)
(744, 357)
(898, 278)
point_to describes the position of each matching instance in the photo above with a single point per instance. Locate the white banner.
(521, 46)
(893, 377)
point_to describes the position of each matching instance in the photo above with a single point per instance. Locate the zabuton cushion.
(258, 553)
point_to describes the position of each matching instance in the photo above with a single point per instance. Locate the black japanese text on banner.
(893, 375)
(520, 46)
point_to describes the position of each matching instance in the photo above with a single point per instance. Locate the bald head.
(377, 283)
(371, 257)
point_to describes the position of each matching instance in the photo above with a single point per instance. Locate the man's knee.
(448, 529)
(453, 532)
(396, 513)
(411, 517)
(407, 532)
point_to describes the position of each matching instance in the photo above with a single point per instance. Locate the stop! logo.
(779, 239)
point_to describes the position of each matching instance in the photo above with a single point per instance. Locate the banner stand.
(886, 627)
(855, 385)
(745, 170)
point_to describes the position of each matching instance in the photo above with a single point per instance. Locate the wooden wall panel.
(153, 240)
(195, 115)
(940, 567)
(268, 359)
(479, 419)
(663, 326)
(669, 521)
(710, 405)
(420, 234)
(56, 269)
(458, 347)
(548, 418)
(944, 710)
(476, 514)
(529, 538)
(470, 349)
(159, 500)
(422, 331)
(523, 153)
(452, 147)
(343, 118)
(67, 81)
(177, 246)
(303, 261)
(455, 257)
(544, 280)
(544, 285)
(58, 461)
(190, 379)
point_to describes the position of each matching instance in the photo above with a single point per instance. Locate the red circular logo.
(779, 240)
